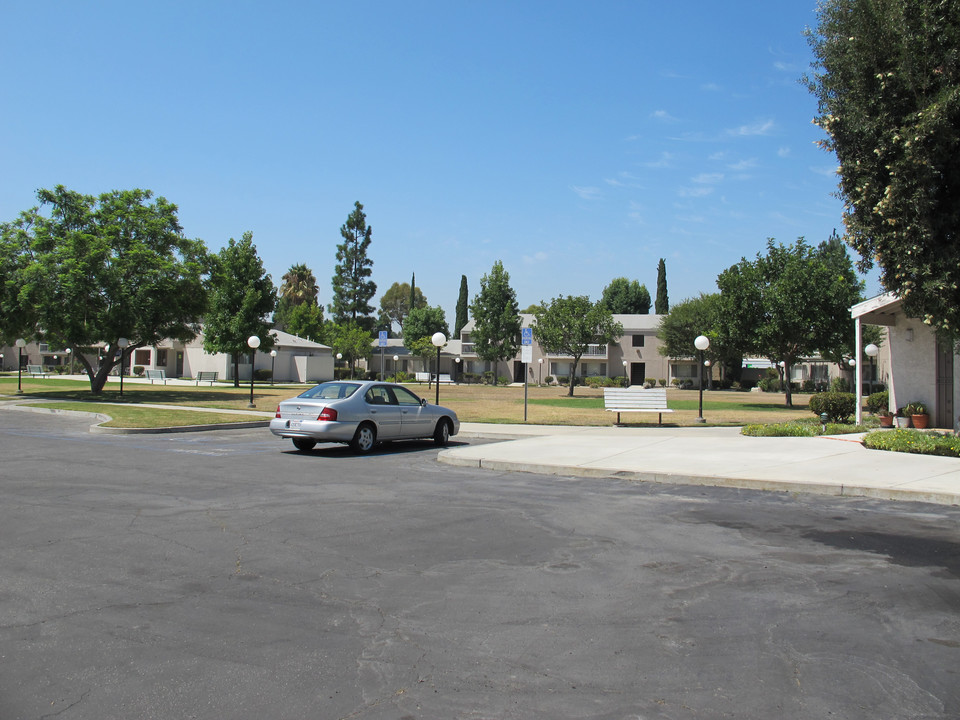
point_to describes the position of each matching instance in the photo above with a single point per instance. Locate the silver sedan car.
(362, 414)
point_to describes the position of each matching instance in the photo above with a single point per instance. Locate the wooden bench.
(207, 376)
(157, 375)
(36, 371)
(636, 399)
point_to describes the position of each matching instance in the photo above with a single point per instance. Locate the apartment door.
(944, 410)
(638, 373)
(179, 370)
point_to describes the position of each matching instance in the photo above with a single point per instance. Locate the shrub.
(913, 441)
(878, 401)
(548, 379)
(799, 428)
(676, 382)
(839, 384)
(503, 380)
(769, 384)
(838, 406)
(138, 370)
(662, 382)
(808, 386)
(262, 375)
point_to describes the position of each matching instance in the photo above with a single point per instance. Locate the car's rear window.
(330, 391)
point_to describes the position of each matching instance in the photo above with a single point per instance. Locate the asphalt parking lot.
(222, 575)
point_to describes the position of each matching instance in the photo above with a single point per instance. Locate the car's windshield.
(330, 391)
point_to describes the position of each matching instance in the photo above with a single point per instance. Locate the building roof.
(287, 341)
(631, 323)
(878, 310)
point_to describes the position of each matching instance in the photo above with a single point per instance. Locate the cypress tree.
(662, 304)
(462, 307)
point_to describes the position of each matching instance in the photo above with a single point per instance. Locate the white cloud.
(663, 116)
(763, 127)
(537, 257)
(743, 165)
(695, 192)
(831, 171)
(711, 87)
(708, 178)
(664, 161)
(586, 193)
(783, 151)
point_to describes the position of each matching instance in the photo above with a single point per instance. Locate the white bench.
(636, 399)
(430, 377)
(157, 375)
(36, 371)
(207, 376)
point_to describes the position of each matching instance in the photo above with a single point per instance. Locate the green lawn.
(133, 416)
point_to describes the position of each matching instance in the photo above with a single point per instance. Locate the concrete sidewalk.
(829, 465)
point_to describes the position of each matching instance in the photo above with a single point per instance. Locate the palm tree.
(299, 285)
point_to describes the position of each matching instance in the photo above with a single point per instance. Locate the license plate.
(294, 424)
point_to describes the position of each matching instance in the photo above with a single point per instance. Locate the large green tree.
(699, 316)
(93, 270)
(626, 297)
(788, 304)
(349, 340)
(662, 304)
(395, 304)
(496, 318)
(887, 78)
(298, 287)
(352, 287)
(242, 297)
(569, 325)
(424, 322)
(463, 306)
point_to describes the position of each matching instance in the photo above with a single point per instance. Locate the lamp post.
(458, 361)
(70, 353)
(871, 350)
(273, 364)
(395, 359)
(337, 364)
(701, 343)
(253, 342)
(21, 344)
(626, 383)
(122, 343)
(438, 339)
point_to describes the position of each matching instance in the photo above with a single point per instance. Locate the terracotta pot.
(920, 421)
(886, 421)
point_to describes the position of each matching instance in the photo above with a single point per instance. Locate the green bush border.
(914, 441)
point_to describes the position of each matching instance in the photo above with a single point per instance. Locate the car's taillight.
(278, 411)
(327, 415)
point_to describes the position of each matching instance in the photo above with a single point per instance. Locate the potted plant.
(902, 419)
(918, 415)
(886, 418)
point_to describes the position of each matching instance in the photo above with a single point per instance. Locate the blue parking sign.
(383, 338)
(526, 336)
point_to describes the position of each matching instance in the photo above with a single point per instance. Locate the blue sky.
(574, 141)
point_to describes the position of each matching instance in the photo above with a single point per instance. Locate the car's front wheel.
(441, 436)
(364, 439)
(304, 444)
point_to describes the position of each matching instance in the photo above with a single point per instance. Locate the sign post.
(526, 357)
(382, 342)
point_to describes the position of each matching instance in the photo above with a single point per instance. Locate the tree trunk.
(236, 369)
(786, 384)
(573, 376)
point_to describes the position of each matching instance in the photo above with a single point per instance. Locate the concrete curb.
(449, 457)
(102, 418)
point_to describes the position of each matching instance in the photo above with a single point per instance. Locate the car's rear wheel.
(364, 439)
(441, 436)
(304, 444)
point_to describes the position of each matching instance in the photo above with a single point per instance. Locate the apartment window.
(638, 340)
(161, 358)
(141, 357)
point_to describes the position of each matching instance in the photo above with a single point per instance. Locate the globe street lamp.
(122, 343)
(871, 350)
(273, 361)
(458, 361)
(540, 378)
(395, 359)
(438, 339)
(701, 343)
(21, 344)
(70, 353)
(253, 342)
(625, 382)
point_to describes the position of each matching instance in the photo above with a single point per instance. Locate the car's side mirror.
(423, 402)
